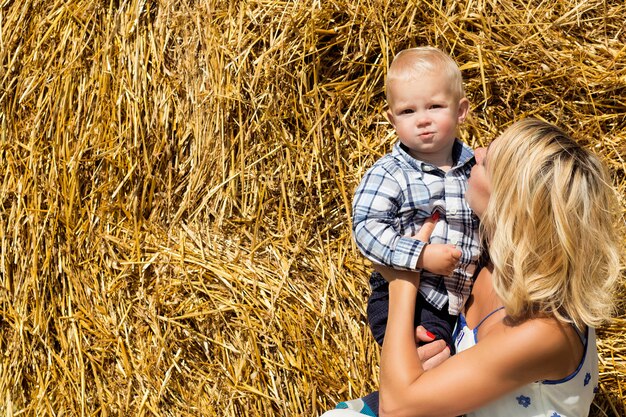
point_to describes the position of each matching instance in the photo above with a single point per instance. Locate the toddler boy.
(425, 173)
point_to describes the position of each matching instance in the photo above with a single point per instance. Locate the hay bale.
(177, 177)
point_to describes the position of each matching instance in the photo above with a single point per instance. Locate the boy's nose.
(423, 119)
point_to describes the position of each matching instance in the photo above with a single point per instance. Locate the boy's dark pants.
(438, 322)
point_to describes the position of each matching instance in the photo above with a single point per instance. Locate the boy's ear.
(463, 110)
(390, 118)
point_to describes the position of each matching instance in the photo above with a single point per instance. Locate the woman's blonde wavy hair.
(550, 226)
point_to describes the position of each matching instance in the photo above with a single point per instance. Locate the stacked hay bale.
(177, 177)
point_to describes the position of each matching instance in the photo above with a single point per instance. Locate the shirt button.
(454, 240)
(452, 210)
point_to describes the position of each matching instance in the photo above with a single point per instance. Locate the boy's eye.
(406, 111)
(436, 106)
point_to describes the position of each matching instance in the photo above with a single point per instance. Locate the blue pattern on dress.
(587, 378)
(555, 414)
(523, 401)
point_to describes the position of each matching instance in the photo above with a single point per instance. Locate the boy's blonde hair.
(550, 226)
(412, 63)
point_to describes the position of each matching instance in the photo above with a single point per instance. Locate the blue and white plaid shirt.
(396, 195)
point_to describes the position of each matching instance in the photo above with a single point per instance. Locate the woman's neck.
(483, 299)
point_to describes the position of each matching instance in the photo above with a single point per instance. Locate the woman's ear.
(463, 110)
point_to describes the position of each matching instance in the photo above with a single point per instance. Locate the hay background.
(176, 180)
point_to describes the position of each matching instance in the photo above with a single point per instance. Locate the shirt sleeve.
(376, 225)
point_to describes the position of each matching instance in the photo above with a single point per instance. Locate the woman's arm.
(508, 358)
(401, 347)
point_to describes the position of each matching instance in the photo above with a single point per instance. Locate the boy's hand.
(439, 259)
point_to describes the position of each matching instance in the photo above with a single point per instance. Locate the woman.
(526, 341)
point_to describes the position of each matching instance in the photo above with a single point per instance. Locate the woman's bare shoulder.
(544, 347)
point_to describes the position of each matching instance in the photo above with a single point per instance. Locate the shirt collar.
(461, 155)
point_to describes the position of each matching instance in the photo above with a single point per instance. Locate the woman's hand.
(391, 274)
(433, 352)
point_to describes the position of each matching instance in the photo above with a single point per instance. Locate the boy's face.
(425, 115)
